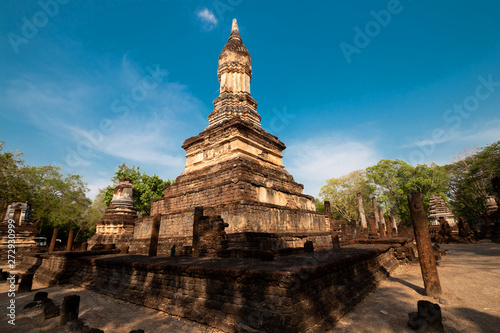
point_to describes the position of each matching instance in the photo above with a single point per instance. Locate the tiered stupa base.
(234, 171)
(114, 229)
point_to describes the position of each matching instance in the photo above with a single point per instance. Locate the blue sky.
(91, 84)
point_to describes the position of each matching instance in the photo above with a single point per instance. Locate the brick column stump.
(53, 240)
(69, 309)
(424, 246)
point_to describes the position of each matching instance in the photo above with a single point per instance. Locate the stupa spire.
(234, 28)
(235, 74)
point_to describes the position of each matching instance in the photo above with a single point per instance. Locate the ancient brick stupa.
(234, 170)
(439, 209)
(117, 224)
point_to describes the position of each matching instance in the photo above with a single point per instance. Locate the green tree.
(342, 194)
(395, 179)
(320, 205)
(93, 215)
(146, 188)
(387, 176)
(57, 201)
(470, 180)
(12, 185)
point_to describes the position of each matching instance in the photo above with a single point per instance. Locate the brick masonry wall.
(182, 246)
(25, 242)
(252, 240)
(290, 294)
(20, 253)
(230, 182)
(230, 128)
(289, 227)
(241, 217)
(57, 267)
(211, 239)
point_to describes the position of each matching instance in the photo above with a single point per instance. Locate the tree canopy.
(394, 180)
(93, 215)
(342, 194)
(389, 181)
(12, 185)
(57, 200)
(470, 180)
(465, 184)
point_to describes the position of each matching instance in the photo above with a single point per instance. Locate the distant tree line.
(59, 201)
(464, 184)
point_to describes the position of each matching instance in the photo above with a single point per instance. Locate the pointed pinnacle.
(235, 26)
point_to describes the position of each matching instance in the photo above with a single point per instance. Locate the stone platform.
(296, 293)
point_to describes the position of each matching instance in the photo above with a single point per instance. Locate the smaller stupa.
(117, 224)
(437, 209)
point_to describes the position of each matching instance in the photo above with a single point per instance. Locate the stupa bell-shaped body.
(235, 74)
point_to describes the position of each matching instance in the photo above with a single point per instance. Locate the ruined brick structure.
(117, 224)
(493, 212)
(491, 204)
(211, 239)
(439, 209)
(17, 211)
(25, 231)
(234, 169)
(464, 231)
(234, 294)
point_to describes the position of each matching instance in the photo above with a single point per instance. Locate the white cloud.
(441, 145)
(480, 133)
(44, 103)
(135, 139)
(315, 160)
(487, 132)
(73, 109)
(151, 132)
(95, 184)
(208, 18)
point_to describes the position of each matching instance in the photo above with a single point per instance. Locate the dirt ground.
(470, 280)
(469, 274)
(96, 310)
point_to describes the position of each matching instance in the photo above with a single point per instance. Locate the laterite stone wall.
(289, 294)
